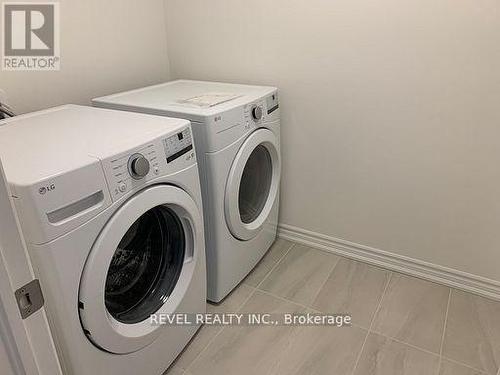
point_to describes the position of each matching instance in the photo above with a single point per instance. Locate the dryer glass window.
(146, 266)
(255, 184)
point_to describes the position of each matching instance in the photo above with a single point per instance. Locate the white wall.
(391, 114)
(106, 46)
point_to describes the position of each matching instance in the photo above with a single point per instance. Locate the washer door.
(142, 263)
(253, 184)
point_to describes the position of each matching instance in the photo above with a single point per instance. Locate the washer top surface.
(61, 139)
(195, 98)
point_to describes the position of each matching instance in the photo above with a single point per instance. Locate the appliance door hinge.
(29, 298)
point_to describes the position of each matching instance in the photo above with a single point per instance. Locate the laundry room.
(194, 187)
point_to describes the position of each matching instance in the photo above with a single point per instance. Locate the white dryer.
(237, 135)
(110, 207)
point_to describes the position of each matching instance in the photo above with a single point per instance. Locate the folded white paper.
(210, 99)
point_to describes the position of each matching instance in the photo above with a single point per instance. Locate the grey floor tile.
(473, 332)
(248, 349)
(275, 253)
(383, 356)
(231, 303)
(450, 368)
(300, 274)
(413, 311)
(196, 346)
(262, 302)
(322, 351)
(174, 371)
(354, 288)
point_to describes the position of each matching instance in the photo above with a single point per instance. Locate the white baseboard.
(414, 267)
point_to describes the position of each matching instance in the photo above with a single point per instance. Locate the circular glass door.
(142, 262)
(253, 184)
(145, 266)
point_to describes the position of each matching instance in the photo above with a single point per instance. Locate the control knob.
(257, 113)
(138, 166)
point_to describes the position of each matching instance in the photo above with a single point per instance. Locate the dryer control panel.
(222, 129)
(130, 170)
(263, 110)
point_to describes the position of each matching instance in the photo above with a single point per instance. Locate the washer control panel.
(178, 145)
(130, 170)
(272, 103)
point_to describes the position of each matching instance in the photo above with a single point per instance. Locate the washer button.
(122, 187)
(156, 170)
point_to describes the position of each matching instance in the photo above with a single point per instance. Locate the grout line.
(441, 357)
(203, 350)
(312, 309)
(250, 295)
(445, 323)
(371, 323)
(287, 300)
(379, 306)
(220, 331)
(370, 329)
(254, 288)
(327, 278)
(440, 365)
(405, 343)
(444, 332)
(280, 297)
(463, 365)
(275, 265)
(358, 358)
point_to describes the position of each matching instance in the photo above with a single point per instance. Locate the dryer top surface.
(194, 100)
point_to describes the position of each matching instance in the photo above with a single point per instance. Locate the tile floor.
(401, 325)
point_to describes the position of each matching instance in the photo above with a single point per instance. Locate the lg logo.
(44, 189)
(31, 36)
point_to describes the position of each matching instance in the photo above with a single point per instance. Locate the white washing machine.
(237, 135)
(110, 207)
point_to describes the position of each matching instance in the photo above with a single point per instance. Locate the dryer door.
(253, 184)
(142, 263)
